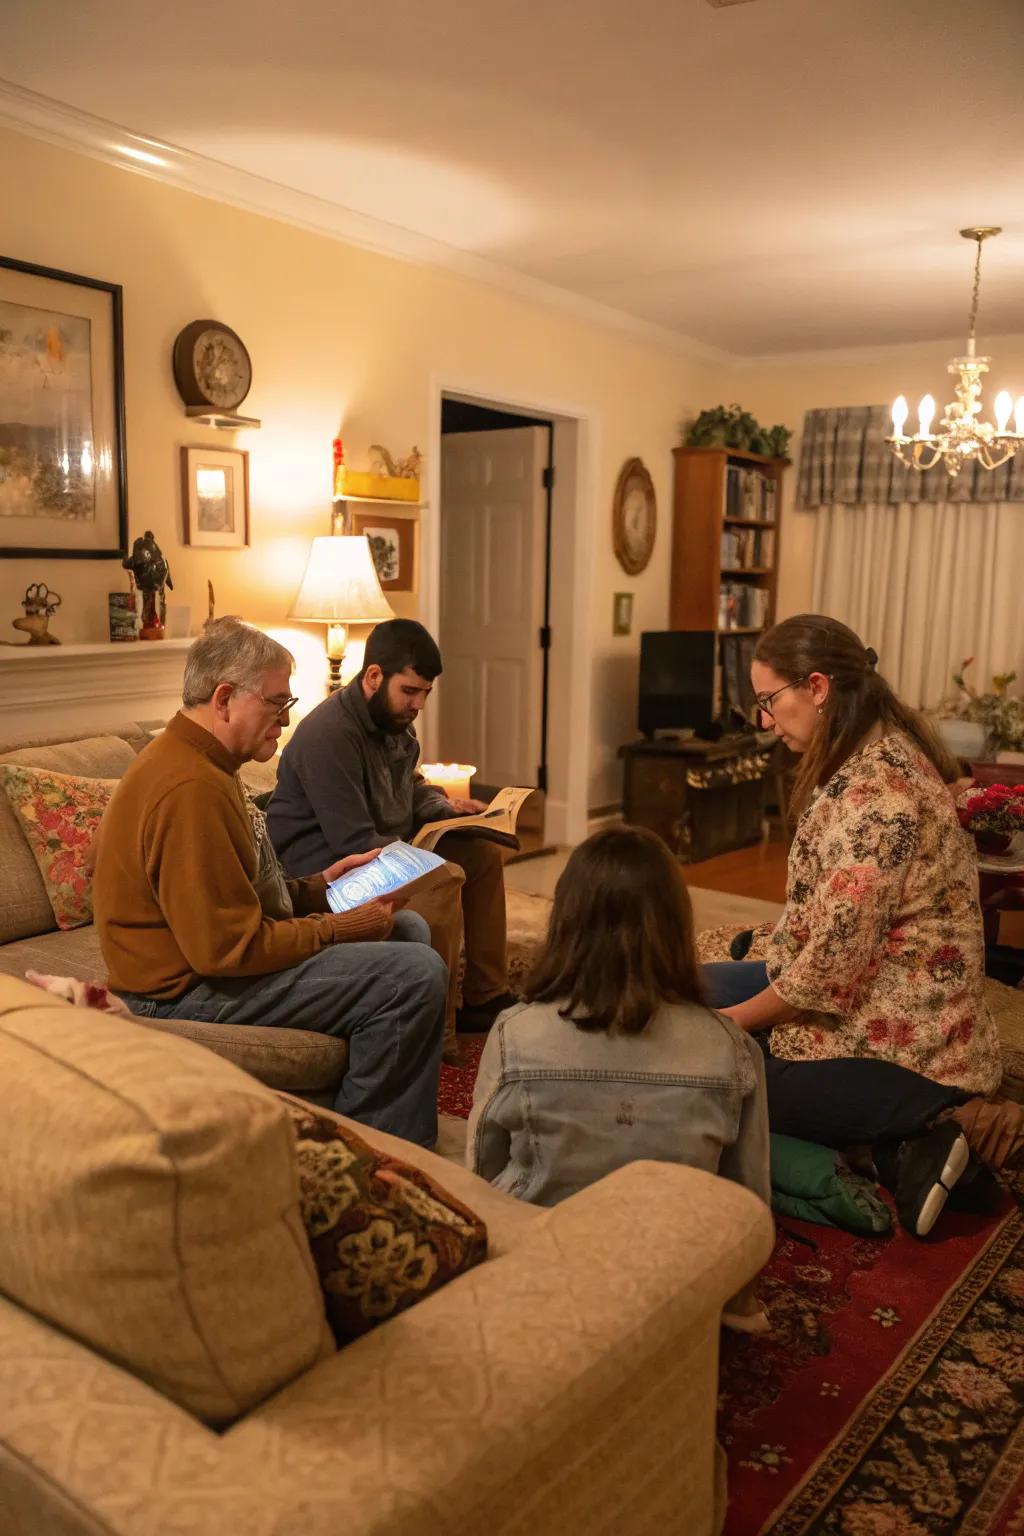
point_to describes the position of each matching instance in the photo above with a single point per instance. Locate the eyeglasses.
(763, 701)
(278, 706)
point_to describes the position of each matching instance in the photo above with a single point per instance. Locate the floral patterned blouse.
(881, 940)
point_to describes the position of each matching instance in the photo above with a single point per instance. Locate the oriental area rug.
(888, 1399)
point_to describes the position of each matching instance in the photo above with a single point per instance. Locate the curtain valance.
(845, 460)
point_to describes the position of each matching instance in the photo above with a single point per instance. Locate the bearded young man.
(348, 783)
(196, 922)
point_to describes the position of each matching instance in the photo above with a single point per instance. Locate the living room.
(611, 230)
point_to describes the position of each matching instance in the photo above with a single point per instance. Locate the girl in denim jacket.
(615, 1055)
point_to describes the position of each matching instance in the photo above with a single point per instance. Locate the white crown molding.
(892, 351)
(41, 117)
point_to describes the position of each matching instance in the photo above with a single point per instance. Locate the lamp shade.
(340, 584)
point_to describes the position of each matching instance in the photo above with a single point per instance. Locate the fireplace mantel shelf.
(45, 689)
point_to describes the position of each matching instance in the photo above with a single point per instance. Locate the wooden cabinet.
(703, 798)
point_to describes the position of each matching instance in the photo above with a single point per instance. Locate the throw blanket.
(85, 994)
(816, 1184)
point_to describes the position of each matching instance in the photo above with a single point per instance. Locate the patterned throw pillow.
(59, 814)
(383, 1234)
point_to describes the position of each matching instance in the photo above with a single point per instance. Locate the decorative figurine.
(381, 463)
(39, 604)
(152, 573)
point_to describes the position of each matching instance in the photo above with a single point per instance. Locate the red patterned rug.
(888, 1399)
(455, 1093)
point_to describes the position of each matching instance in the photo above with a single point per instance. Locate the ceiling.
(763, 179)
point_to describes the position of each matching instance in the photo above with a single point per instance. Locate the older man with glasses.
(196, 920)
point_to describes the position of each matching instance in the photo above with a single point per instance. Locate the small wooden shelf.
(746, 522)
(740, 453)
(381, 501)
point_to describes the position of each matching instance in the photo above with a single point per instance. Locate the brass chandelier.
(962, 436)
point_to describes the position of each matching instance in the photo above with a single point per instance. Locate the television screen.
(677, 680)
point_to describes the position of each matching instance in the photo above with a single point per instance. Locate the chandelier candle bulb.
(900, 412)
(1004, 405)
(925, 412)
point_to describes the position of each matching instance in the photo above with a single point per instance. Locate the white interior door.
(493, 506)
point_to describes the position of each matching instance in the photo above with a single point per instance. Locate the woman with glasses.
(871, 997)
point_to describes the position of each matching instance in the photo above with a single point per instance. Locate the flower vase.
(993, 842)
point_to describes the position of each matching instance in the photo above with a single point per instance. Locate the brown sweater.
(173, 893)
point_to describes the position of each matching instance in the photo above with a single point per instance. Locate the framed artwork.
(634, 517)
(63, 489)
(215, 497)
(392, 545)
(622, 613)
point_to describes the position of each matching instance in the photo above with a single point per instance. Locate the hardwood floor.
(758, 870)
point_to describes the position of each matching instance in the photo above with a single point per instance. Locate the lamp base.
(337, 639)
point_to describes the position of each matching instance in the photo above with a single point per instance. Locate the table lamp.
(455, 778)
(340, 587)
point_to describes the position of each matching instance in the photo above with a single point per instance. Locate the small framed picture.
(215, 497)
(392, 545)
(622, 614)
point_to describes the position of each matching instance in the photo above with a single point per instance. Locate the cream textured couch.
(148, 1204)
(297, 1060)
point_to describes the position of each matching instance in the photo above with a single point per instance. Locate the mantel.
(45, 689)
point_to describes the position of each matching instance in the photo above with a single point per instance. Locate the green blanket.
(814, 1183)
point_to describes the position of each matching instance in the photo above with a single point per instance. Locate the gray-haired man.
(189, 929)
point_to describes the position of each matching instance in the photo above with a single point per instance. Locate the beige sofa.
(153, 1250)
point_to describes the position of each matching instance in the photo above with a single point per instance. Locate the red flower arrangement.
(993, 814)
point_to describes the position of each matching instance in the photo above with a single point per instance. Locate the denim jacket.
(556, 1107)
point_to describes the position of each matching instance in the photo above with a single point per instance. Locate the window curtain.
(927, 584)
(845, 460)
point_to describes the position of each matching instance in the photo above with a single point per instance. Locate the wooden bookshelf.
(698, 519)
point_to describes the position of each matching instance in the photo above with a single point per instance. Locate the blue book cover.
(397, 867)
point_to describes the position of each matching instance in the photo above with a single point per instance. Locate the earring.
(821, 709)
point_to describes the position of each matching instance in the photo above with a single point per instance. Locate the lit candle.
(1004, 405)
(454, 778)
(925, 412)
(900, 412)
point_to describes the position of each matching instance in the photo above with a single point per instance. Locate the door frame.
(574, 456)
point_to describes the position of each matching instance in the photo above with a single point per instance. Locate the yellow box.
(357, 482)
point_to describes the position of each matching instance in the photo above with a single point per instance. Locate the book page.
(499, 819)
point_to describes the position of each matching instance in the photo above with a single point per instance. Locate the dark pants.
(836, 1103)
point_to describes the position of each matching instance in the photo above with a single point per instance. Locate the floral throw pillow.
(59, 814)
(383, 1234)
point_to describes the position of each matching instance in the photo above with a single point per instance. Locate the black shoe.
(741, 943)
(477, 1018)
(928, 1167)
(979, 1192)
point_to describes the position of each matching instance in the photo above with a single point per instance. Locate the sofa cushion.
(59, 815)
(24, 906)
(149, 1202)
(384, 1234)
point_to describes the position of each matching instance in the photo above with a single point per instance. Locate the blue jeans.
(387, 1000)
(838, 1103)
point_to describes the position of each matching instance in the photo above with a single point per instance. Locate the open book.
(497, 823)
(398, 869)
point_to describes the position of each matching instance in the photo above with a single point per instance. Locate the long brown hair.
(620, 940)
(859, 698)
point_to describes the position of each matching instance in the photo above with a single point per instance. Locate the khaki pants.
(473, 901)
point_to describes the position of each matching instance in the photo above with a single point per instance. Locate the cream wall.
(783, 392)
(340, 338)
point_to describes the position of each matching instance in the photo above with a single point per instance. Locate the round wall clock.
(211, 365)
(634, 517)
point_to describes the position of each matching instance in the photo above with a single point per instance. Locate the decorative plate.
(634, 517)
(211, 365)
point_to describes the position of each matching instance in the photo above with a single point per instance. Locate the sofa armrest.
(294, 1060)
(569, 1385)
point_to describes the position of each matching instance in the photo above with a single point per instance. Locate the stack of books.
(742, 606)
(749, 494)
(748, 549)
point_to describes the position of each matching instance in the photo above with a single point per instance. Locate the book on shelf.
(749, 494)
(742, 606)
(747, 549)
(497, 823)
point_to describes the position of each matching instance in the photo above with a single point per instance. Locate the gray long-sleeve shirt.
(345, 786)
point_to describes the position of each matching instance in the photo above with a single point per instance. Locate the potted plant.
(733, 427)
(993, 815)
(997, 717)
